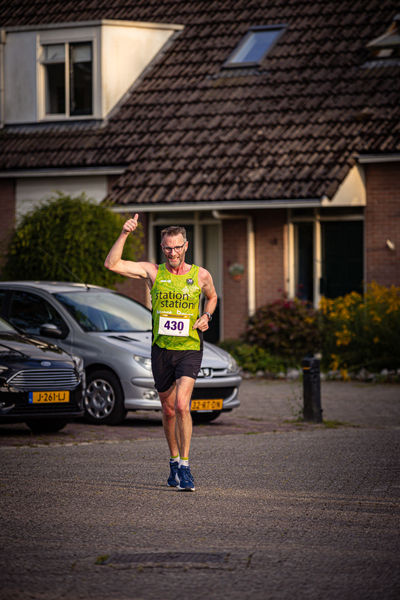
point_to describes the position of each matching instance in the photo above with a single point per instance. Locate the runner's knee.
(182, 407)
(168, 410)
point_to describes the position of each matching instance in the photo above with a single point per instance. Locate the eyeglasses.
(168, 250)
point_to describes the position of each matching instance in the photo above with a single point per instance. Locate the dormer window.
(255, 46)
(75, 71)
(68, 79)
(387, 45)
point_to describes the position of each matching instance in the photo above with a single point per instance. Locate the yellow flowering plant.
(362, 330)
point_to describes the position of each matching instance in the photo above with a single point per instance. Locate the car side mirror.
(50, 330)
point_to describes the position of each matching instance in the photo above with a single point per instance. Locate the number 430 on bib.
(172, 325)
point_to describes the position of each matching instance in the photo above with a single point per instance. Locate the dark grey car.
(112, 333)
(40, 384)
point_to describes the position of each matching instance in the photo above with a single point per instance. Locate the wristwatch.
(209, 316)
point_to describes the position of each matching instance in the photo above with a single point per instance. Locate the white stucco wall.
(352, 191)
(20, 104)
(31, 190)
(126, 52)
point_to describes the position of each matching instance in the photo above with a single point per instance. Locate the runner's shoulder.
(150, 268)
(204, 277)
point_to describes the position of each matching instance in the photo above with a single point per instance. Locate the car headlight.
(143, 361)
(78, 362)
(232, 365)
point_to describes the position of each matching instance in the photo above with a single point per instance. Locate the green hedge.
(68, 239)
(252, 358)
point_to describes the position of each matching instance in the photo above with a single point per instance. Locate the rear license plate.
(215, 404)
(48, 397)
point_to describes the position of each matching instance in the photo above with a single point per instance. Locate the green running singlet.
(175, 303)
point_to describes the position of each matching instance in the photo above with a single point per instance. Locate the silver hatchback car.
(112, 333)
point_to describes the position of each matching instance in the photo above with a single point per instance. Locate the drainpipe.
(2, 43)
(251, 256)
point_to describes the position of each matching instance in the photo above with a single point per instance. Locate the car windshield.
(6, 327)
(106, 311)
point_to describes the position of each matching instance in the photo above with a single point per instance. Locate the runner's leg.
(168, 399)
(184, 425)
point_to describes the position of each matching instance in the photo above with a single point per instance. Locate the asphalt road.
(281, 510)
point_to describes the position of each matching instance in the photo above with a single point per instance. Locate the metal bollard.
(312, 410)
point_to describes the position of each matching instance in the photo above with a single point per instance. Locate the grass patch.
(335, 424)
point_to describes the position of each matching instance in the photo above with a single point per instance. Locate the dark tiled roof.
(191, 132)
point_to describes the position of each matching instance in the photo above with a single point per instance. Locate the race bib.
(172, 325)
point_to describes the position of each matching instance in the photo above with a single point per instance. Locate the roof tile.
(191, 131)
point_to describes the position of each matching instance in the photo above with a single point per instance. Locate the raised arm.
(114, 262)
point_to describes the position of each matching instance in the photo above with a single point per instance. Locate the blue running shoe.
(186, 481)
(173, 479)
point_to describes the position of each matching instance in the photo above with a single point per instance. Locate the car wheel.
(104, 401)
(200, 418)
(46, 425)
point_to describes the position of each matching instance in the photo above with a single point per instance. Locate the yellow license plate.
(48, 397)
(207, 404)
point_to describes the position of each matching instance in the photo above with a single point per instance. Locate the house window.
(54, 68)
(254, 47)
(68, 79)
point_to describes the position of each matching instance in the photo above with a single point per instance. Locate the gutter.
(96, 23)
(2, 43)
(378, 158)
(71, 172)
(235, 205)
(251, 256)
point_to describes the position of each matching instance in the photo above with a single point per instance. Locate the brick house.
(270, 129)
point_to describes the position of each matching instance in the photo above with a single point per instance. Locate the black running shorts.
(170, 365)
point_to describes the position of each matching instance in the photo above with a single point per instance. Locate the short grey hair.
(173, 230)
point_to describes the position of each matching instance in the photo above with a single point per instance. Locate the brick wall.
(382, 221)
(270, 262)
(269, 249)
(7, 211)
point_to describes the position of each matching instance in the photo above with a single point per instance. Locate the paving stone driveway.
(267, 406)
(287, 512)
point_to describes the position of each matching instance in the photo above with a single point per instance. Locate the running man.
(177, 347)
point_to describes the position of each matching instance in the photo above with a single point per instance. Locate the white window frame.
(67, 37)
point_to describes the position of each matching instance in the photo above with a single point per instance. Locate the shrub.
(288, 329)
(68, 239)
(362, 331)
(253, 358)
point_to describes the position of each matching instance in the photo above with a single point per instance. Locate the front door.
(342, 258)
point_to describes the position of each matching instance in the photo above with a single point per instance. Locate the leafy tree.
(68, 239)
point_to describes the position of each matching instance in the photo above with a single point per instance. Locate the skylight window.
(255, 45)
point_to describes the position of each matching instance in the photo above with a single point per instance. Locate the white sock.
(174, 458)
(183, 462)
